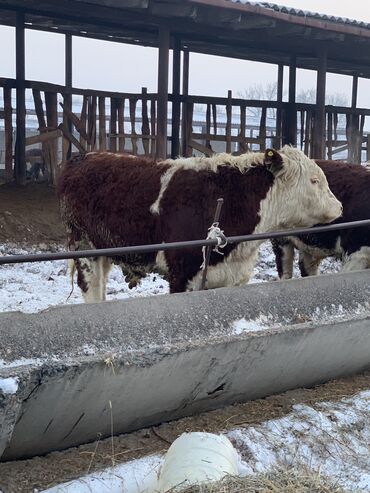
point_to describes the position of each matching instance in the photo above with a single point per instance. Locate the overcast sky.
(113, 66)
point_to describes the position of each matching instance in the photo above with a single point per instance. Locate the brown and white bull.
(111, 200)
(351, 185)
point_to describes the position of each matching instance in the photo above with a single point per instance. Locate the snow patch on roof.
(305, 13)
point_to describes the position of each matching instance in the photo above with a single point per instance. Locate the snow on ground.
(31, 287)
(8, 385)
(331, 439)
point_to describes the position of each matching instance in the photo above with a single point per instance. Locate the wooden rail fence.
(127, 122)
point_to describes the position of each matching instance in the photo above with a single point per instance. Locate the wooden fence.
(127, 122)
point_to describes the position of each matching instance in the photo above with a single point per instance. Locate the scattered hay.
(278, 481)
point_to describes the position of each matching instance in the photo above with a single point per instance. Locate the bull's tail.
(72, 270)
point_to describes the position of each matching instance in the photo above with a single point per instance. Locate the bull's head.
(301, 192)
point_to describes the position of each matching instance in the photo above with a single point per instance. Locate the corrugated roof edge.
(305, 13)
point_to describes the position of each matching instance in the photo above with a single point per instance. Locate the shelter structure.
(258, 31)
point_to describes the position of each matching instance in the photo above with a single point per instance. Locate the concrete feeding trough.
(150, 360)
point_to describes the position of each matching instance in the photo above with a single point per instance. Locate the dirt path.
(29, 215)
(42, 472)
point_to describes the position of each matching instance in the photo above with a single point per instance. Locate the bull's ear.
(273, 161)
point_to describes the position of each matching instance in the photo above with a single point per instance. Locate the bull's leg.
(357, 260)
(90, 279)
(308, 265)
(284, 257)
(106, 267)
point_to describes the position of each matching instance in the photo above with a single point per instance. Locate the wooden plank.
(76, 122)
(307, 134)
(319, 130)
(302, 113)
(242, 144)
(176, 110)
(164, 48)
(354, 91)
(145, 129)
(113, 125)
(330, 135)
(279, 98)
(131, 136)
(71, 138)
(152, 127)
(208, 124)
(84, 139)
(8, 130)
(121, 124)
(133, 103)
(91, 123)
(214, 117)
(290, 132)
(102, 125)
(20, 143)
(67, 98)
(39, 109)
(228, 120)
(200, 147)
(66, 145)
(189, 128)
(44, 137)
(335, 114)
(51, 105)
(360, 139)
(185, 93)
(262, 132)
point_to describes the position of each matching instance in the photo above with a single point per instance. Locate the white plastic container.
(196, 458)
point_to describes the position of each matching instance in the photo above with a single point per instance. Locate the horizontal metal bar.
(121, 251)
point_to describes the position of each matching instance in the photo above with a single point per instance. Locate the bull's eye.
(315, 180)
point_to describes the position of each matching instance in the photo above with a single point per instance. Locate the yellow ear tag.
(270, 153)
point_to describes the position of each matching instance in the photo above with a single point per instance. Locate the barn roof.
(260, 31)
(305, 13)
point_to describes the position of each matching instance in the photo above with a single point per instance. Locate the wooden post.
(353, 121)
(319, 139)
(51, 104)
(8, 130)
(185, 92)
(176, 76)
(102, 125)
(113, 125)
(67, 146)
(279, 98)
(354, 91)
(290, 134)
(163, 55)
(145, 127)
(228, 121)
(20, 148)
(368, 148)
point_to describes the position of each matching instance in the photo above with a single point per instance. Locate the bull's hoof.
(132, 284)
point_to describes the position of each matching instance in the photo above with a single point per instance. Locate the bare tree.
(258, 92)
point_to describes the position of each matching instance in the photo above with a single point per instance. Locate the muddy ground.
(29, 215)
(42, 472)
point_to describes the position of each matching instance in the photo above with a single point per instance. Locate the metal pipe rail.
(121, 251)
